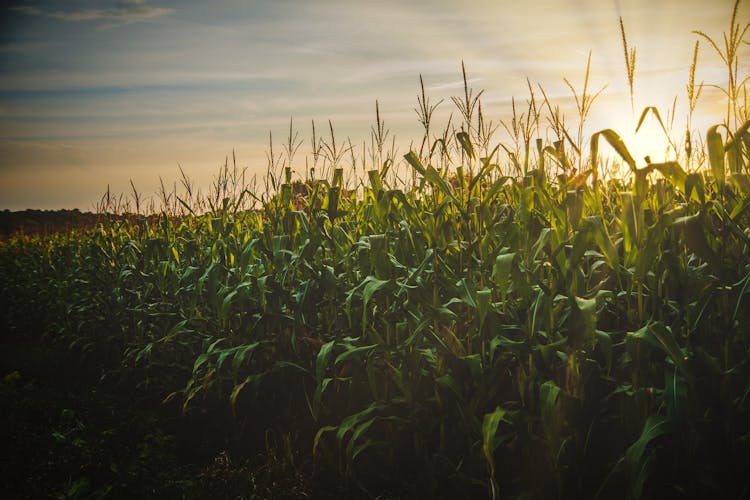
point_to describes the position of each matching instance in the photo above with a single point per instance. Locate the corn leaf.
(661, 337)
(715, 146)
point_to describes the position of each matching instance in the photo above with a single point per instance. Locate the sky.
(99, 93)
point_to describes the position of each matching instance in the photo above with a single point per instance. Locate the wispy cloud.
(123, 11)
(457, 84)
(187, 84)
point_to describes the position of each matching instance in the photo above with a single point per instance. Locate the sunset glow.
(96, 93)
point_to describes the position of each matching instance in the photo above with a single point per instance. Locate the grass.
(478, 319)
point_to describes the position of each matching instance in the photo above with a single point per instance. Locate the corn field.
(459, 321)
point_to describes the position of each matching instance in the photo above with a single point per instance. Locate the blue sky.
(100, 92)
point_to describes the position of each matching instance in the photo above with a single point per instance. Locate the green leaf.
(333, 202)
(584, 319)
(656, 425)
(413, 160)
(371, 285)
(226, 304)
(355, 452)
(487, 167)
(466, 293)
(379, 255)
(242, 353)
(321, 362)
(734, 147)
(375, 183)
(515, 346)
(671, 170)
(675, 395)
(350, 422)
(432, 176)
(474, 364)
(715, 145)
(604, 341)
(742, 181)
(359, 431)
(366, 289)
(319, 435)
(549, 394)
(661, 337)
(591, 231)
(495, 188)
(489, 429)
(604, 241)
(484, 302)
(236, 391)
(338, 176)
(453, 387)
(535, 312)
(617, 144)
(695, 238)
(501, 271)
(353, 352)
(694, 187)
(655, 112)
(223, 356)
(465, 141)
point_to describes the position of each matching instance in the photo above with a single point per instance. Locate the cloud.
(137, 10)
(123, 11)
(457, 84)
(80, 15)
(27, 9)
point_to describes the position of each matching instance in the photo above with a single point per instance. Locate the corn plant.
(485, 329)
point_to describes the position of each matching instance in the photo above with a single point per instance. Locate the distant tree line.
(43, 222)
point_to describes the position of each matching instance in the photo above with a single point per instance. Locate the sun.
(649, 144)
(651, 141)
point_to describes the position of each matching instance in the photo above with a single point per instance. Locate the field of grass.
(474, 320)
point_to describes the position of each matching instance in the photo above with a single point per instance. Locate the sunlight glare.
(650, 141)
